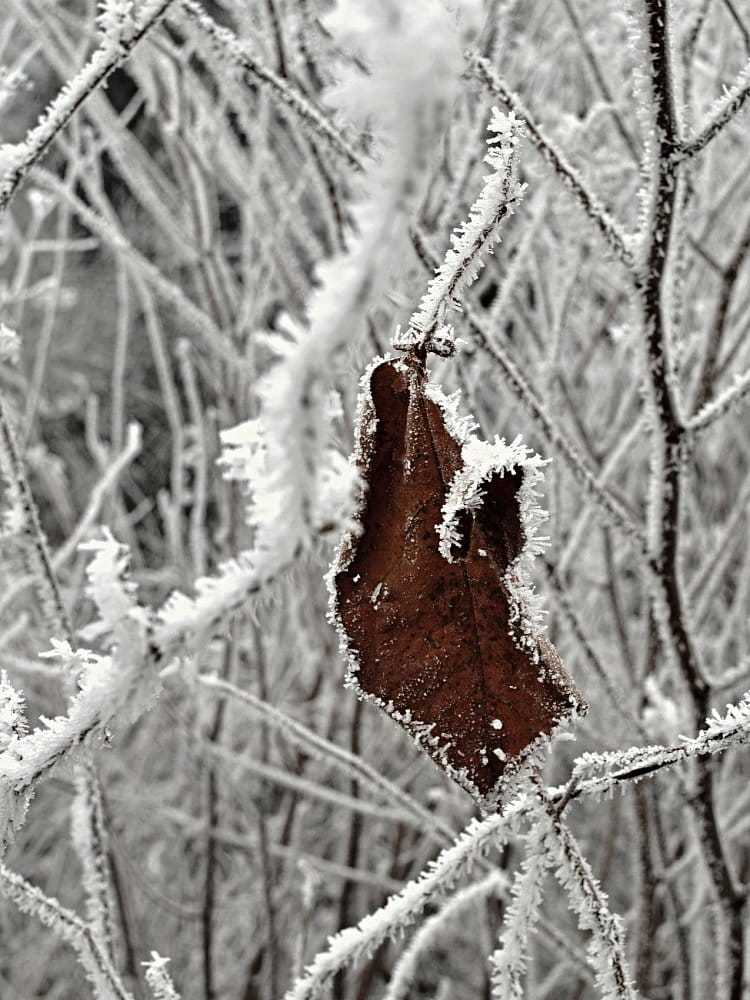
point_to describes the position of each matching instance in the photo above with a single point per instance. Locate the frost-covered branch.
(227, 45)
(570, 178)
(299, 735)
(90, 838)
(471, 241)
(120, 38)
(720, 733)
(508, 961)
(650, 24)
(71, 929)
(109, 687)
(404, 908)
(495, 884)
(610, 507)
(237, 582)
(730, 398)
(726, 110)
(606, 948)
(401, 910)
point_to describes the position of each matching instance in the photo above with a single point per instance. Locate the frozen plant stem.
(35, 550)
(575, 875)
(229, 47)
(103, 62)
(70, 928)
(668, 443)
(609, 505)
(549, 152)
(89, 817)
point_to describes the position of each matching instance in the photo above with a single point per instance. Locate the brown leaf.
(442, 645)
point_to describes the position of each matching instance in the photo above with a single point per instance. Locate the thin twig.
(73, 96)
(590, 204)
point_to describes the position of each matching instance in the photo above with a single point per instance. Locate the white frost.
(483, 460)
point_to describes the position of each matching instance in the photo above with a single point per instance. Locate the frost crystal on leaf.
(484, 461)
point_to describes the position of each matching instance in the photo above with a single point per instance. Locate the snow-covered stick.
(493, 885)
(725, 110)
(606, 948)
(508, 961)
(120, 38)
(607, 226)
(501, 193)
(227, 45)
(651, 36)
(721, 732)
(404, 908)
(609, 505)
(299, 735)
(733, 396)
(71, 929)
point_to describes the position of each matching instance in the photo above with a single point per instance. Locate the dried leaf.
(432, 628)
